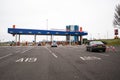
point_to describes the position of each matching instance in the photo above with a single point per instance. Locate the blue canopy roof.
(44, 32)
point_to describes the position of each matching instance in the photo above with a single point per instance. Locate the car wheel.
(86, 49)
(91, 50)
(104, 50)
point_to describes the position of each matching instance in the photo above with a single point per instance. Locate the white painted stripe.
(6, 56)
(104, 54)
(90, 58)
(26, 50)
(17, 51)
(54, 55)
(82, 58)
(50, 51)
(26, 60)
(31, 60)
(20, 60)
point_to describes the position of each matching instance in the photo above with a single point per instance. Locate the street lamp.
(47, 28)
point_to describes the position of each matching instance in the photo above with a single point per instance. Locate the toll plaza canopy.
(45, 32)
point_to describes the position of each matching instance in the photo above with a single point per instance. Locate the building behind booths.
(72, 28)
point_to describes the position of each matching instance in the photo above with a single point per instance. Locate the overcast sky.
(95, 16)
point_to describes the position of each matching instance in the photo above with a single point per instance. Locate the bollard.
(110, 48)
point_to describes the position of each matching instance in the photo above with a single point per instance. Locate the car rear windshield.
(96, 42)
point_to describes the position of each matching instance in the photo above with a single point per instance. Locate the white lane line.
(6, 56)
(26, 50)
(48, 49)
(104, 54)
(17, 51)
(52, 53)
(90, 58)
(82, 58)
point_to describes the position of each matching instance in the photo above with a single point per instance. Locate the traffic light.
(13, 34)
(80, 29)
(116, 31)
(13, 28)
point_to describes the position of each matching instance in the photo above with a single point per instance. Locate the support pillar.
(70, 41)
(51, 38)
(15, 40)
(18, 43)
(80, 36)
(80, 40)
(19, 38)
(34, 39)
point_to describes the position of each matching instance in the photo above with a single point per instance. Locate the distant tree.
(116, 21)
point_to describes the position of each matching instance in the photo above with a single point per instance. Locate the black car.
(96, 46)
(39, 44)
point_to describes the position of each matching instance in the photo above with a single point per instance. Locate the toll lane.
(61, 63)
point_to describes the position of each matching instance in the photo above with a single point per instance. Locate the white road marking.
(26, 50)
(17, 51)
(31, 60)
(82, 58)
(6, 56)
(90, 58)
(26, 60)
(52, 53)
(104, 54)
(20, 60)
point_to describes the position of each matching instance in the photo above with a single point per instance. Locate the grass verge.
(112, 42)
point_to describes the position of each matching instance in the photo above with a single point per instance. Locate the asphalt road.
(61, 63)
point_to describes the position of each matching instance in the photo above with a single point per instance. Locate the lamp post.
(0, 42)
(47, 28)
(107, 34)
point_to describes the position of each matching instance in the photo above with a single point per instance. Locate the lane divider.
(12, 54)
(111, 48)
(17, 51)
(26, 50)
(90, 58)
(52, 53)
(6, 56)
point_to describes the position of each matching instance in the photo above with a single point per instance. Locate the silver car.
(54, 44)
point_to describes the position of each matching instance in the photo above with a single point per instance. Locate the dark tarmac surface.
(61, 63)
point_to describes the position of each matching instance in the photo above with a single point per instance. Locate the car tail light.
(94, 45)
(104, 45)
